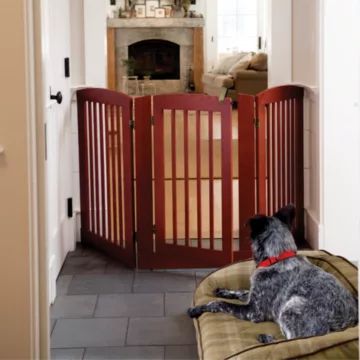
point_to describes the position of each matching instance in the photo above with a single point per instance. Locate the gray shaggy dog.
(286, 288)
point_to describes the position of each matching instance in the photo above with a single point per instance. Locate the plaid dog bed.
(221, 336)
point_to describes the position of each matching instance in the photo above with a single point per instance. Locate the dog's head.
(271, 235)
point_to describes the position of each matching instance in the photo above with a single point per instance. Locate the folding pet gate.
(169, 181)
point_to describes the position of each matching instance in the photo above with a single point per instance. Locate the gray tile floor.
(105, 311)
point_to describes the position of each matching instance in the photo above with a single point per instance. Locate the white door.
(56, 47)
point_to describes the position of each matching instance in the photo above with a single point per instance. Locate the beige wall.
(15, 297)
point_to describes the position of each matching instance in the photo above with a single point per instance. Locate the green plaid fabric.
(221, 336)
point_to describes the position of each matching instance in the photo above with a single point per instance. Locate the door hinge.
(152, 120)
(132, 124)
(256, 122)
(154, 229)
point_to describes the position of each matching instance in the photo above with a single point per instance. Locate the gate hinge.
(152, 120)
(256, 122)
(132, 124)
(154, 229)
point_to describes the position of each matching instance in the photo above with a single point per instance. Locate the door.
(56, 47)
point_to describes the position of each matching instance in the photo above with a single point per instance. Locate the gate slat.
(108, 172)
(293, 151)
(120, 176)
(114, 173)
(288, 146)
(274, 162)
(91, 159)
(211, 180)
(102, 171)
(173, 173)
(278, 158)
(261, 160)
(300, 168)
(96, 153)
(283, 149)
(198, 179)
(186, 174)
(268, 159)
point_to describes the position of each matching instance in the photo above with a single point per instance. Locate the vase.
(186, 7)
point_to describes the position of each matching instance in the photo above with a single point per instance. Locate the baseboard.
(52, 279)
(314, 230)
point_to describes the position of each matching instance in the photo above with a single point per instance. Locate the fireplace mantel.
(156, 23)
(121, 33)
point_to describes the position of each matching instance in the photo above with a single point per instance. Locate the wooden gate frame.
(167, 255)
(101, 108)
(283, 104)
(256, 141)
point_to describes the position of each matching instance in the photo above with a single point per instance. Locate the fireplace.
(164, 48)
(157, 58)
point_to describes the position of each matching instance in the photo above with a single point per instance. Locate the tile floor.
(105, 311)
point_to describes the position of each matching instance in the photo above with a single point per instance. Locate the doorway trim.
(38, 273)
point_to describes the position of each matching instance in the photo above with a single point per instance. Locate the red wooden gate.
(106, 172)
(272, 151)
(184, 208)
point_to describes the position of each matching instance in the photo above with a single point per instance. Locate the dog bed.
(221, 336)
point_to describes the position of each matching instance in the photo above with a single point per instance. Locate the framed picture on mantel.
(151, 5)
(139, 11)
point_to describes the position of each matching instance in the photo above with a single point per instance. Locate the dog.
(286, 288)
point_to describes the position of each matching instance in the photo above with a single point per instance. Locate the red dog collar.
(275, 259)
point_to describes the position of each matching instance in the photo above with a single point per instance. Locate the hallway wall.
(15, 266)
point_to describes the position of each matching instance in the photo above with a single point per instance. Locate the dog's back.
(310, 301)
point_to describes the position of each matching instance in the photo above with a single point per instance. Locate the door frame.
(38, 277)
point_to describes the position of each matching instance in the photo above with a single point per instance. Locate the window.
(237, 26)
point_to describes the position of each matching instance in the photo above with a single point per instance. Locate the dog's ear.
(258, 225)
(286, 215)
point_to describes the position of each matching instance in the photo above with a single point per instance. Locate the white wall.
(95, 42)
(341, 128)
(325, 59)
(306, 71)
(279, 42)
(77, 42)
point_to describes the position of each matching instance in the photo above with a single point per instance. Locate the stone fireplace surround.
(186, 32)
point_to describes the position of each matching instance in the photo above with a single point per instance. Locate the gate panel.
(180, 143)
(106, 172)
(280, 164)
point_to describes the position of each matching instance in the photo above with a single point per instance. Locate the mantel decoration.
(186, 5)
(157, 9)
(151, 5)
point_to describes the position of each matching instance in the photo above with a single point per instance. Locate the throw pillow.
(259, 62)
(226, 63)
(242, 64)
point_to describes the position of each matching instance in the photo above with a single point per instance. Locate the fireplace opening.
(159, 59)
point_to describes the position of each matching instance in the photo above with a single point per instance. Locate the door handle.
(58, 97)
